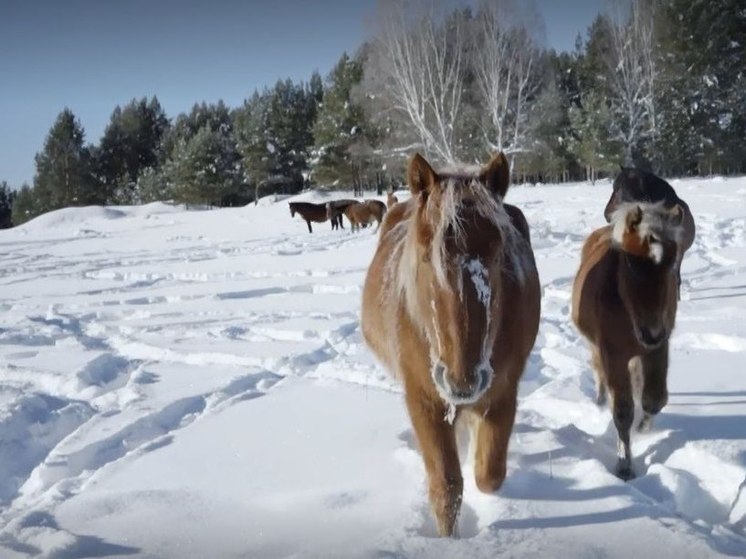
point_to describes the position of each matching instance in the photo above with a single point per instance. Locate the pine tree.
(7, 196)
(702, 61)
(63, 168)
(340, 124)
(547, 155)
(252, 135)
(203, 164)
(131, 142)
(274, 135)
(592, 143)
(206, 168)
(25, 205)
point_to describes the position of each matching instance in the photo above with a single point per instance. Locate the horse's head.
(647, 235)
(292, 209)
(460, 227)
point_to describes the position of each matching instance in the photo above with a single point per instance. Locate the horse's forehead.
(479, 237)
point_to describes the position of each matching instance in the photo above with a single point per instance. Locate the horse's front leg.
(493, 435)
(623, 407)
(598, 373)
(654, 388)
(308, 222)
(437, 442)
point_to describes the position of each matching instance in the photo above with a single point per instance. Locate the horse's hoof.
(625, 472)
(646, 423)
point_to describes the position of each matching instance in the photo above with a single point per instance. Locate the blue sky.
(91, 55)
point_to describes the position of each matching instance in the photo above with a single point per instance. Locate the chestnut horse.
(624, 302)
(636, 185)
(361, 214)
(451, 307)
(313, 212)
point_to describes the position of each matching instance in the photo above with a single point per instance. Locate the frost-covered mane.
(655, 219)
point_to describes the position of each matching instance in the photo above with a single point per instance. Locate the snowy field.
(193, 384)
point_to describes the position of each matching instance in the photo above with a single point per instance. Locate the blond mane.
(655, 220)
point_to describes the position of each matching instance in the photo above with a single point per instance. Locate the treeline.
(656, 83)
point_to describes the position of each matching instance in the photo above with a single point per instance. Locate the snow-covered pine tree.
(63, 170)
(340, 123)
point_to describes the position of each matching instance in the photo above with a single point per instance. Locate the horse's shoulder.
(595, 257)
(597, 244)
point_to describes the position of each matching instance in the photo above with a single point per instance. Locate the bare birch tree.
(420, 59)
(505, 64)
(632, 73)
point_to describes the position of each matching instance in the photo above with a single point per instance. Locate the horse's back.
(520, 304)
(381, 299)
(310, 211)
(377, 208)
(519, 221)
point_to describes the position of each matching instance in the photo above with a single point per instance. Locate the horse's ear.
(420, 175)
(496, 174)
(676, 215)
(634, 217)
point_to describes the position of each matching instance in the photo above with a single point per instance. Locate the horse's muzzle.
(462, 395)
(651, 338)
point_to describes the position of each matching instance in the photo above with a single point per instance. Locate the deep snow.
(181, 384)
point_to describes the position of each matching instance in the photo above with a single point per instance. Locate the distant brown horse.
(636, 185)
(391, 199)
(361, 214)
(312, 212)
(624, 302)
(451, 307)
(335, 209)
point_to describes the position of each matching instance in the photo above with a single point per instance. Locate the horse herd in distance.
(359, 214)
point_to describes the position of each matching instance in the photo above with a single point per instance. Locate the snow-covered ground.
(193, 384)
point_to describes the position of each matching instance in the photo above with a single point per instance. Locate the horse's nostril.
(484, 377)
(440, 371)
(651, 337)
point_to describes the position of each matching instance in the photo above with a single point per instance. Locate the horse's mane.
(655, 218)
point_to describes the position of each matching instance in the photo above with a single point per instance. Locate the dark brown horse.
(451, 307)
(624, 302)
(636, 185)
(313, 212)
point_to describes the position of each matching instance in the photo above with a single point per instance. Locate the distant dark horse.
(313, 212)
(635, 185)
